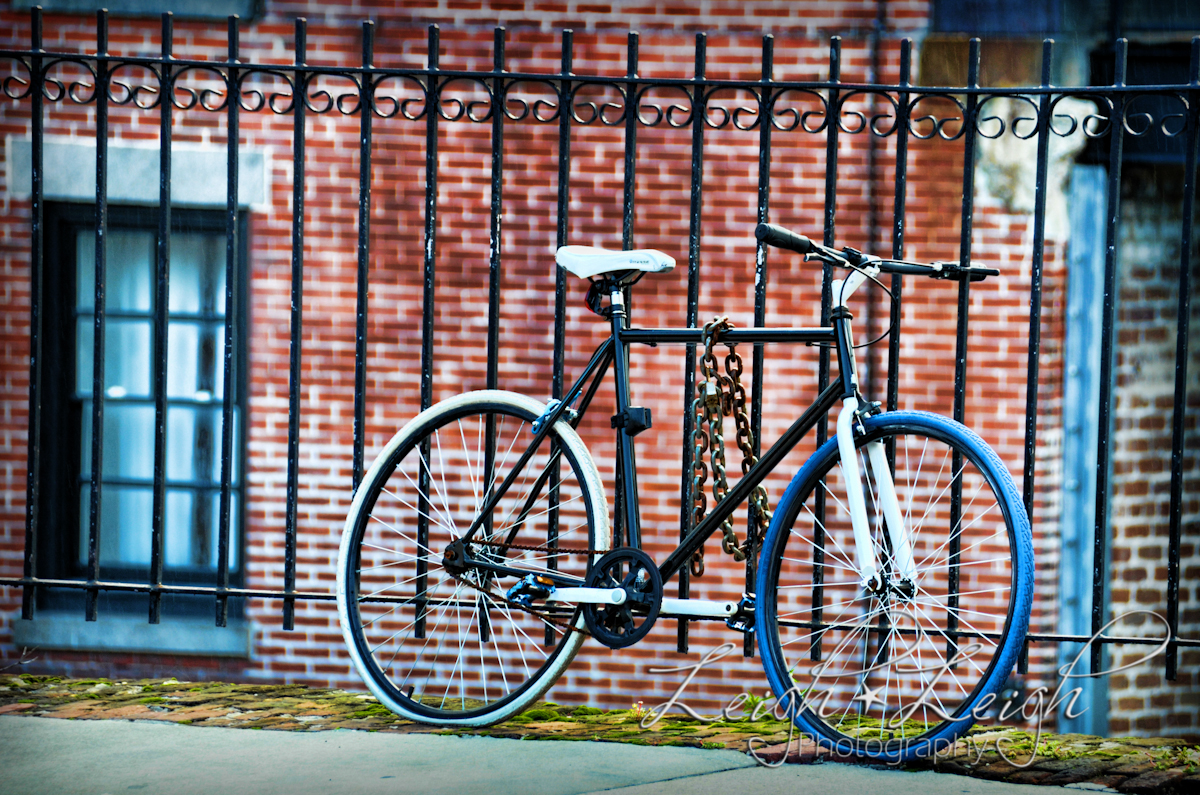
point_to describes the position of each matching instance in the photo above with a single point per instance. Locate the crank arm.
(694, 608)
(595, 596)
(698, 608)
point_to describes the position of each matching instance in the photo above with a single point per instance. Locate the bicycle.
(478, 552)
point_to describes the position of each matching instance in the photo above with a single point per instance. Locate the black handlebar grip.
(777, 236)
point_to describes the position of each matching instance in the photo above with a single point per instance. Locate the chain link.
(717, 396)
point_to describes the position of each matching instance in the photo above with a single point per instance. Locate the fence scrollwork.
(802, 107)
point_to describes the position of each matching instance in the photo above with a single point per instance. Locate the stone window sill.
(117, 633)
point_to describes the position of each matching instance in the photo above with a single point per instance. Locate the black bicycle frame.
(615, 351)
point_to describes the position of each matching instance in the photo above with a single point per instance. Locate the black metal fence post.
(561, 232)
(833, 112)
(1035, 299)
(962, 318)
(95, 517)
(1182, 330)
(899, 208)
(366, 108)
(232, 254)
(628, 203)
(33, 458)
(765, 119)
(495, 245)
(299, 92)
(695, 222)
(429, 296)
(499, 108)
(1107, 354)
(162, 276)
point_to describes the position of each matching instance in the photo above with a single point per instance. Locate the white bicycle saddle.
(586, 261)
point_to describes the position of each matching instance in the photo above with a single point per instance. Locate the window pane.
(128, 268)
(193, 521)
(194, 444)
(181, 437)
(128, 440)
(126, 357)
(197, 273)
(124, 525)
(195, 360)
(235, 473)
(179, 549)
(235, 540)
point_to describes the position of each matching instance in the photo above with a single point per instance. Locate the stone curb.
(1137, 766)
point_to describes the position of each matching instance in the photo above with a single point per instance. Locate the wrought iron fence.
(229, 87)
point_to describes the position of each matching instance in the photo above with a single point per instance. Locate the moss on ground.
(1044, 758)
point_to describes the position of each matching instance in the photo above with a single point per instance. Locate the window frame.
(62, 426)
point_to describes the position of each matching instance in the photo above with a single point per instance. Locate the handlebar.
(779, 237)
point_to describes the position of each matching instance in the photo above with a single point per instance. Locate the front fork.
(849, 422)
(903, 566)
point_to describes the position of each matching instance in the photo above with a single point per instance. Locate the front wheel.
(894, 672)
(440, 642)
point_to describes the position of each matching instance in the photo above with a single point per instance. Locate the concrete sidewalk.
(592, 745)
(65, 757)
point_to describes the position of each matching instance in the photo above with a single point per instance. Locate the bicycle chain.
(531, 548)
(719, 396)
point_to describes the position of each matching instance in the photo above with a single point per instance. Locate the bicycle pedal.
(530, 587)
(742, 619)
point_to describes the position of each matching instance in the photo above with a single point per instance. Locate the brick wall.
(314, 652)
(1141, 700)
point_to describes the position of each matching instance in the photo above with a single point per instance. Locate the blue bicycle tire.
(905, 636)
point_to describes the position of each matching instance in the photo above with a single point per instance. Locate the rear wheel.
(439, 642)
(894, 672)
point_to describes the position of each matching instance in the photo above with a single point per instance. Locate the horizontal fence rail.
(433, 96)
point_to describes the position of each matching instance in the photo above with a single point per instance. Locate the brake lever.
(955, 271)
(830, 256)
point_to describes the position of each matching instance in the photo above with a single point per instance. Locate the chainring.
(618, 626)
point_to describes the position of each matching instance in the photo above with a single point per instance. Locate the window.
(989, 18)
(182, 9)
(194, 391)
(1163, 63)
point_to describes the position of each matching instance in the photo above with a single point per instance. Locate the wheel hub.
(902, 590)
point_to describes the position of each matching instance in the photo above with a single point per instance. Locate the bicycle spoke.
(423, 464)
(393, 528)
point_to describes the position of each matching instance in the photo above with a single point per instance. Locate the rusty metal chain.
(541, 548)
(719, 396)
(761, 514)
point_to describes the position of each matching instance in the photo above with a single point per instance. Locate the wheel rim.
(866, 691)
(444, 644)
